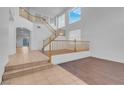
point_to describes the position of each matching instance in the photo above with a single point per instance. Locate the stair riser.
(22, 66)
(25, 72)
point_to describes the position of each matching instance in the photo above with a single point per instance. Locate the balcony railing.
(67, 46)
(25, 14)
(70, 45)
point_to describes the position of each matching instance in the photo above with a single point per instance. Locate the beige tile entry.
(24, 55)
(52, 76)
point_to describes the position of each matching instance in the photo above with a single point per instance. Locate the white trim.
(62, 58)
(2, 68)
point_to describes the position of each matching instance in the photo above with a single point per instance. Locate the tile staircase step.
(24, 71)
(25, 65)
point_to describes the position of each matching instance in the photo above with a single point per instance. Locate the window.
(74, 15)
(61, 21)
(53, 22)
(75, 35)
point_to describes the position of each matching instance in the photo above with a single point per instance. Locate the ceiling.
(47, 11)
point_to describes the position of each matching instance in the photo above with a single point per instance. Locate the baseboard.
(108, 59)
(62, 58)
(2, 67)
(1, 75)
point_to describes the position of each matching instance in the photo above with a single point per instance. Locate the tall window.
(53, 22)
(74, 15)
(75, 35)
(61, 21)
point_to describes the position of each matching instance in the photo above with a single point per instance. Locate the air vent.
(38, 26)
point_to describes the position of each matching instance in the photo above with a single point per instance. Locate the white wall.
(12, 31)
(38, 35)
(17, 22)
(24, 23)
(104, 27)
(74, 26)
(62, 58)
(4, 32)
(8, 34)
(12, 38)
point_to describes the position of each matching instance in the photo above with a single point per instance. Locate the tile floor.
(24, 55)
(52, 76)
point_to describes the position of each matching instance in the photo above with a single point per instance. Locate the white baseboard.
(1, 74)
(109, 59)
(3, 61)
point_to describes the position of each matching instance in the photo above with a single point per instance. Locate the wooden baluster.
(50, 50)
(52, 45)
(43, 47)
(75, 47)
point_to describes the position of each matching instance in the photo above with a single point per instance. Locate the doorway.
(25, 42)
(22, 38)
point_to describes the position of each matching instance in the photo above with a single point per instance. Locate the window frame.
(69, 15)
(62, 15)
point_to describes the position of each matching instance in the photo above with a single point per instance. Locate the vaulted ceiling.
(47, 11)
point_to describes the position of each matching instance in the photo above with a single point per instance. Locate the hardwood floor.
(96, 71)
(52, 76)
(32, 67)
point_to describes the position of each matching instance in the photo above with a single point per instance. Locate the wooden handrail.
(75, 44)
(69, 45)
(42, 19)
(72, 41)
(26, 14)
(49, 41)
(51, 27)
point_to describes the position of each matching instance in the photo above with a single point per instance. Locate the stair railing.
(24, 13)
(67, 46)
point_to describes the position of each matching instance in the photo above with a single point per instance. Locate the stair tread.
(25, 65)
(23, 69)
(43, 61)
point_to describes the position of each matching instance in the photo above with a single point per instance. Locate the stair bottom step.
(25, 72)
(26, 65)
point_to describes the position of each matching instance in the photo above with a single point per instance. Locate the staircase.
(51, 38)
(42, 20)
(55, 33)
(24, 69)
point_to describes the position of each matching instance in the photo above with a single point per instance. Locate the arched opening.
(23, 38)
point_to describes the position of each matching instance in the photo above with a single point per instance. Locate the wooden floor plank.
(96, 71)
